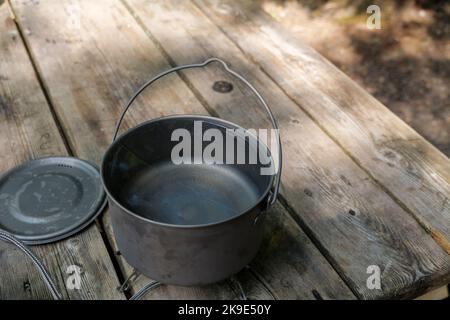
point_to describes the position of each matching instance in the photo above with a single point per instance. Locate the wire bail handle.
(276, 187)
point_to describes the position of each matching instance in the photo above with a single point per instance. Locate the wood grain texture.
(28, 131)
(115, 56)
(351, 218)
(414, 172)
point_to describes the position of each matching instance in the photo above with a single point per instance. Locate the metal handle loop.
(273, 196)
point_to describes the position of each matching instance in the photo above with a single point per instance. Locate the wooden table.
(360, 188)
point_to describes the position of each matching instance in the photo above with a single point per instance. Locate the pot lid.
(49, 199)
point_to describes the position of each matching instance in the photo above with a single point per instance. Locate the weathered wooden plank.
(28, 131)
(108, 34)
(411, 169)
(350, 216)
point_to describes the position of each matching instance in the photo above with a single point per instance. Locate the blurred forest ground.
(405, 64)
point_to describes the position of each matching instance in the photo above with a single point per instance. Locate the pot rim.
(182, 226)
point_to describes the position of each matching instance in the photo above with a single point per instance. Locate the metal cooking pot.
(186, 224)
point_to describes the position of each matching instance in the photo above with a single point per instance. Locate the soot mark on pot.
(352, 212)
(170, 255)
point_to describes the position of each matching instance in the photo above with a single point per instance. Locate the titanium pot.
(187, 224)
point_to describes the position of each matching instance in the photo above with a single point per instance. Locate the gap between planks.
(170, 60)
(41, 82)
